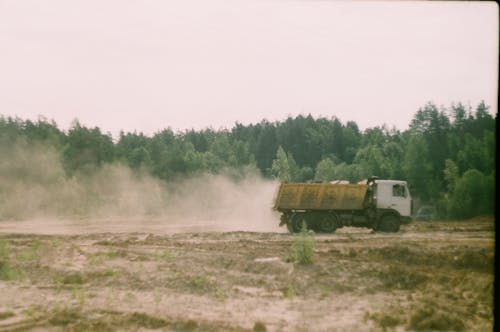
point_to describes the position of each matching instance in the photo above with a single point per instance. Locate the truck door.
(394, 196)
(401, 200)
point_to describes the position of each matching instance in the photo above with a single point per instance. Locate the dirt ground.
(103, 275)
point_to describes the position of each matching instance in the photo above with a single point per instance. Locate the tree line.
(447, 155)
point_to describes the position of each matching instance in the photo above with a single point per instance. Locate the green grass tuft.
(303, 247)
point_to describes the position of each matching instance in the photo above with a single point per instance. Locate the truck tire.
(389, 223)
(328, 224)
(294, 224)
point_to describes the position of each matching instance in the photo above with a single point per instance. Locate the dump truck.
(382, 205)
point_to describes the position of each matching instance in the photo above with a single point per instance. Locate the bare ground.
(428, 276)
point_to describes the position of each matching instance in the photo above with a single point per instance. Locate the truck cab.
(393, 195)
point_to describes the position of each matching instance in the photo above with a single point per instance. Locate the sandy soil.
(109, 275)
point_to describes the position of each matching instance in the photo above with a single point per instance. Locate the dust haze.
(36, 195)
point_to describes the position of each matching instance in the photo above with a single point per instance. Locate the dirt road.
(428, 276)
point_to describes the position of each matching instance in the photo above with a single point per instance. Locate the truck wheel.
(389, 223)
(328, 224)
(294, 224)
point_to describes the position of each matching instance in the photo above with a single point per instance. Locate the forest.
(447, 154)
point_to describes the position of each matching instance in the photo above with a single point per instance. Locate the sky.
(147, 65)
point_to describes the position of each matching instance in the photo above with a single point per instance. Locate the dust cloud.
(36, 195)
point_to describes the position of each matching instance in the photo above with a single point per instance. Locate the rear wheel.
(295, 223)
(389, 223)
(328, 223)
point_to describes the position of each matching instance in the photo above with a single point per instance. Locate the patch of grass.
(55, 243)
(164, 255)
(33, 312)
(36, 245)
(65, 316)
(27, 255)
(204, 285)
(289, 291)
(6, 314)
(75, 278)
(219, 294)
(303, 247)
(4, 249)
(80, 295)
(110, 272)
(96, 259)
(477, 260)
(467, 258)
(386, 320)
(428, 318)
(131, 298)
(201, 283)
(399, 277)
(112, 254)
(259, 327)
(186, 326)
(167, 256)
(326, 290)
(147, 321)
(7, 272)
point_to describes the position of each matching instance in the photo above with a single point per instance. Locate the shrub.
(303, 247)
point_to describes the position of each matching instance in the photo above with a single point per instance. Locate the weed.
(386, 320)
(110, 272)
(55, 243)
(157, 297)
(259, 327)
(220, 294)
(131, 298)
(36, 245)
(200, 283)
(28, 255)
(341, 266)
(65, 316)
(73, 278)
(289, 292)
(6, 314)
(326, 290)
(147, 321)
(33, 312)
(303, 247)
(167, 256)
(96, 259)
(79, 295)
(189, 325)
(401, 278)
(112, 254)
(7, 272)
(428, 318)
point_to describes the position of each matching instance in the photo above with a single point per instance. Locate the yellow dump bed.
(320, 196)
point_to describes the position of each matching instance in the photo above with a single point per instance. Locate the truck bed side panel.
(320, 196)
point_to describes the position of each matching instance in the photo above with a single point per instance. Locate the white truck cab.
(393, 194)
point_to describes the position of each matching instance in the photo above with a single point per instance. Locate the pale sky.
(148, 65)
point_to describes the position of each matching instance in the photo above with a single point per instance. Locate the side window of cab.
(398, 190)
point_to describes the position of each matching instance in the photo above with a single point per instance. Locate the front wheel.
(389, 223)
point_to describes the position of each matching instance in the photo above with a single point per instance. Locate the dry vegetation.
(429, 276)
